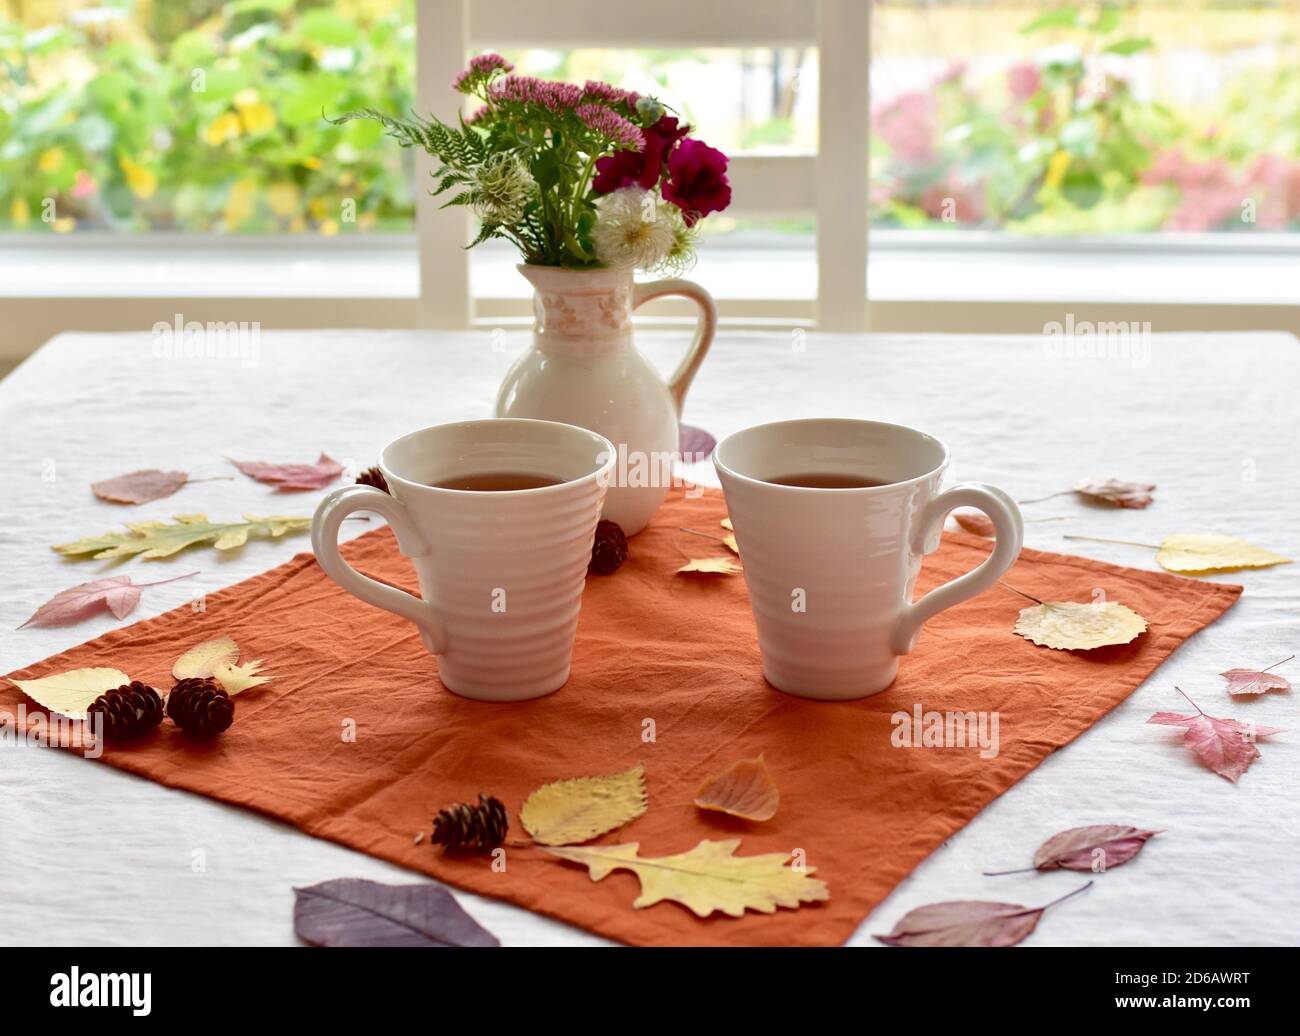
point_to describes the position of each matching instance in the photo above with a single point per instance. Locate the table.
(90, 855)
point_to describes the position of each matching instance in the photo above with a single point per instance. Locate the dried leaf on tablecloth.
(694, 444)
(356, 912)
(707, 878)
(968, 922)
(726, 524)
(1070, 626)
(1256, 681)
(235, 679)
(1207, 552)
(70, 693)
(1224, 745)
(578, 809)
(292, 477)
(163, 539)
(1096, 848)
(1135, 495)
(744, 789)
(139, 487)
(203, 659)
(117, 594)
(714, 566)
(974, 521)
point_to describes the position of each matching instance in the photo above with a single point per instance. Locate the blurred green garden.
(1036, 118)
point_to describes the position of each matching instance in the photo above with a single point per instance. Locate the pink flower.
(84, 185)
(624, 168)
(907, 125)
(697, 180)
(604, 93)
(480, 69)
(609, 123)
(550, 95)
(953, 201)
(1023, 81)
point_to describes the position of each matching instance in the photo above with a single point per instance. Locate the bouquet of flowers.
(576, 176)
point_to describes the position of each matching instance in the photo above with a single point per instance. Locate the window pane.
(203, 117)
(1035, 118)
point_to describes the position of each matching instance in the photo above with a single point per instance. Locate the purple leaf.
(290, 478)
(355, 912)
(116, 593)
(968, 922)
(1077, 849)
(694, 443)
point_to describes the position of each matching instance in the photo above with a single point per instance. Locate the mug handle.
(325, 544)
(1004, 514)
(705, 328)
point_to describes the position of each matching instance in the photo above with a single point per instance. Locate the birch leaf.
(706, 879)
(70, 693)
(715, 566)
(1196, 553)
(744, 789)
(235, 679)
(163, 539)
(203, 659)
(139, 487)
(1070, 626)
(576, 810)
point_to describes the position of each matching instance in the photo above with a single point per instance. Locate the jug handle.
(705, 328)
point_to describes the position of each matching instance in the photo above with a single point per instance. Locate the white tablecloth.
(92, 855)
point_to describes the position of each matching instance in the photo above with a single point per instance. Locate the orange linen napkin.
(678, 650)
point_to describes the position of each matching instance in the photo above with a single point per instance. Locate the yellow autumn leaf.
(72, 692)
(719, 566)
(257, 118)
(19, 213)
(726, 524)
(235, 679)
(203, 659)
(1207, 552)
(708, 878)
(576, 810)
(1056, 167)
(1069, 626)
(744, 789)
(163, 539)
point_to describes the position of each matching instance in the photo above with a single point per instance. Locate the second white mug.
(833, 518)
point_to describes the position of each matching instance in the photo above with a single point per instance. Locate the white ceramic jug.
(584, 369)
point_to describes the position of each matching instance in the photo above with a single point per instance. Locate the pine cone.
(199, 706)
(127, 711)
(478, 828)
(373, 477)
(609, 550)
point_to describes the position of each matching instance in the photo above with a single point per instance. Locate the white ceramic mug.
(831, 571)
(501, 572)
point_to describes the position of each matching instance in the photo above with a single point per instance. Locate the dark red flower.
(644, 167)
(697, 180)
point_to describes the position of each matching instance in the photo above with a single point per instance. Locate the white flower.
(681, 256)
(504, 187)
(632, 230)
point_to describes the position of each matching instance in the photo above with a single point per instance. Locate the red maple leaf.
(1256, 681)
(1224, 745)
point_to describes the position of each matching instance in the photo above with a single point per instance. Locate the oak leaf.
(580, 808)
(1095, 848)
(1136, 495)
(968, 922)
(292, 477)
(1224, 745)
(1070, 626)
(707, 878)
(1256, 681)
(163, 539)
(714, 566)
(72, 692)
(744, 789)
(1208, 552)
(139, 487)
(117, 594)
(235, 679)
